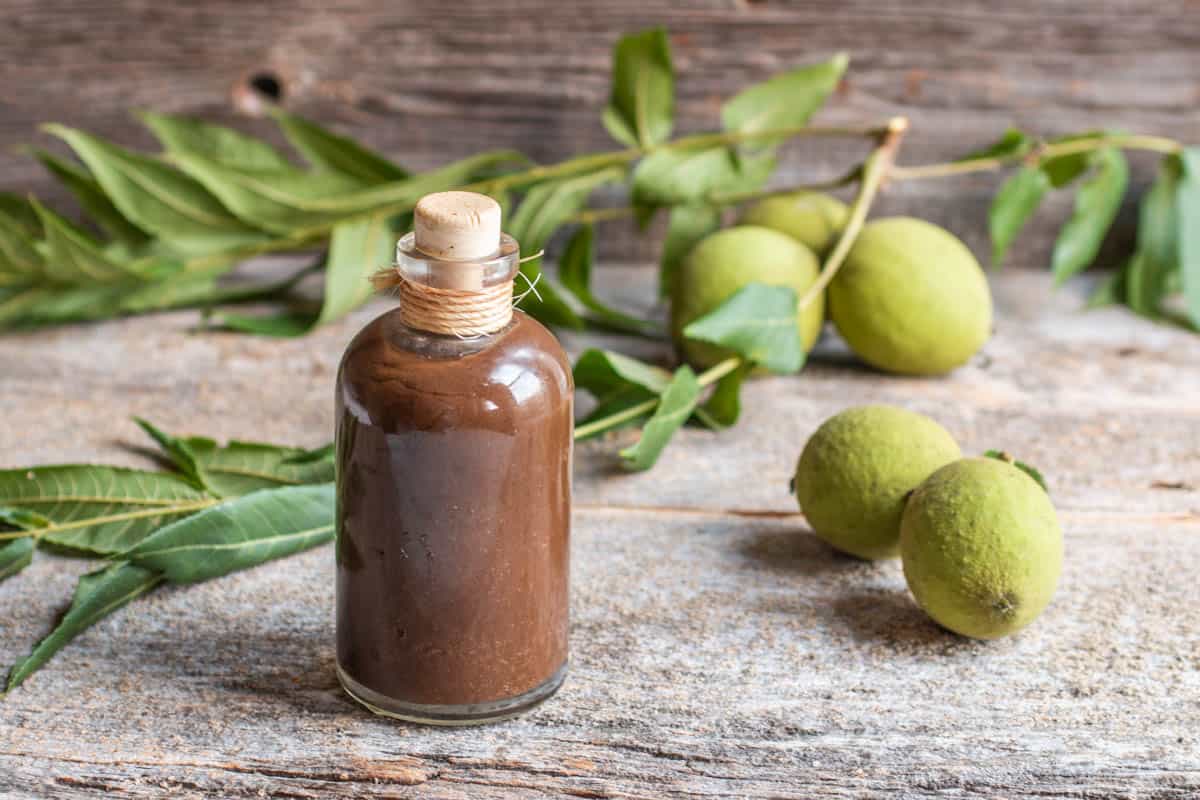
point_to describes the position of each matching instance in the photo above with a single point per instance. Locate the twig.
(728, 199)
(1157, 144)
(874, 170)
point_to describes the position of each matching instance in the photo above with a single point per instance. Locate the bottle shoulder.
(393, 376)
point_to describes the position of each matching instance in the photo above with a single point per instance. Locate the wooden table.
(718, 648)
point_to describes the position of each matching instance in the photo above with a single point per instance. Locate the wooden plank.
(719, 649)
(713, 655)
(427, 83)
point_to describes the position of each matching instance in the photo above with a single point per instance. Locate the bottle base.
(451, 715)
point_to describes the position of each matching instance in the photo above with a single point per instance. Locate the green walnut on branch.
(727, 261)
(911, 298)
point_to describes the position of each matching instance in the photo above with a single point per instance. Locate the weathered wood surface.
(719, 649)
(429, 81)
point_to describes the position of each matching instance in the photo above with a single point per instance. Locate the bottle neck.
(466, 299)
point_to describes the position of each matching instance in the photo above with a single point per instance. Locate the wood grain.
(716, 657)
(427, 82)
(719, 649)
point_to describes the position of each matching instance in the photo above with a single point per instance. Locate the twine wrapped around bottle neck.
(454, 312)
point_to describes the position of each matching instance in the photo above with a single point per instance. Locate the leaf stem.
(709, 376)
(874, 170)
(591, 215)
(1157, 144)
(627, 156)
(718, 371)
(613, 420)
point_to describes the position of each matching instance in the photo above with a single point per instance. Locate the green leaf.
(239, 533)
(674, 407)
(1096, 204)
(546, 207)
(332, 152)
(15, 304)
(280, 201)
(1110, 291)
(575, 273)
(176, 290)
(97, 595)
(1148, 273)
(324, 453)
(356, 250)
(753, 172)
(759, 323)
(686, 226)
(676, 177)
(285, 202)
(18, 256)
(239, 468)
(16, 555)
(158, 198)
(286, 325)
(22, 519)
(17, 551)
(1061, 170)
(1013, 143)
(786, 100)
(92, 199)
(74, 257)
(173, 289)
(178, 451)
(18, 211)
(603, 372)
(1187, 200)
(1158, 223)
(618, 382)
(1012, 207)
(681, 177)
(180, 135)
(724, 406)
(641, 108)
(69, 304)
(1144, 285)
(1032, 472)
(99, 509)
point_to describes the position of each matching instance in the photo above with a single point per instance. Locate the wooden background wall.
(429, 81)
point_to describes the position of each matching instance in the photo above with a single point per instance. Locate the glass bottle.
(454, 447)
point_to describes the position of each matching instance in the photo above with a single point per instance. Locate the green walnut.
(811, 218)
(982, 548)
(911, 298)
(857, 469)
(727, 260)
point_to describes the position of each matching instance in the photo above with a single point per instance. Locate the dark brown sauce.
(454, 489)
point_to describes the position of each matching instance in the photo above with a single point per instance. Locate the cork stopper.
(454, 226)
(457, 225)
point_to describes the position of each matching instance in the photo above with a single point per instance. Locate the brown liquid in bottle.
(454, 488)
